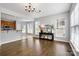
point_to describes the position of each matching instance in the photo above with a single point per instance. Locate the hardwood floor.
(36, 47)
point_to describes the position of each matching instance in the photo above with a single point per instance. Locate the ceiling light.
(29, 8)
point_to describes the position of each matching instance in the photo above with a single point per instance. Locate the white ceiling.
(46, 8)
(8, 17)
(12, 18)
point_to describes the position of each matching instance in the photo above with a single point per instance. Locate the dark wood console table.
(47, 36)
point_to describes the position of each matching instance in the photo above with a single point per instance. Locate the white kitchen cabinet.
(10, 36)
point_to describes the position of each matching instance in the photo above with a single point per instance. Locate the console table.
(47, 36)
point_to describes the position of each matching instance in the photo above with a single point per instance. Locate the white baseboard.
(73, 49)
(9, 41)
(61, 40)
(20, 39)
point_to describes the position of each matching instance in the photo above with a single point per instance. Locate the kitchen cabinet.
(10, 24)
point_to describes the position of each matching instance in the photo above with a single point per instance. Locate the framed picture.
(60, 27)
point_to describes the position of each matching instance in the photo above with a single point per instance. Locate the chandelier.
(29, 8)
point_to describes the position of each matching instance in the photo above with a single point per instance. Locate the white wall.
(52, 20)
(7, 11)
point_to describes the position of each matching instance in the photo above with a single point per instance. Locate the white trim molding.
(73, 49)
(61, 39)
(9, 41)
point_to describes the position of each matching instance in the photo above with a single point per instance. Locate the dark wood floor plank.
(36, 47)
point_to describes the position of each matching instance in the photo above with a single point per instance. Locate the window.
(30, 28)
(75, 27)
(37, 30)
(24, 29)
(60, 27)
(72, 19)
